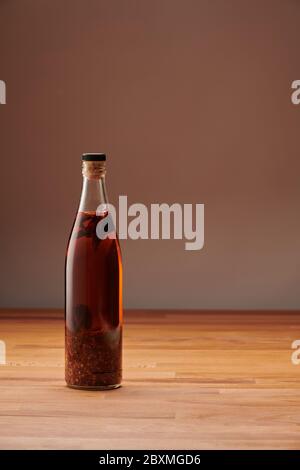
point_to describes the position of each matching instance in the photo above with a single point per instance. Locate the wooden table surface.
(192, 380)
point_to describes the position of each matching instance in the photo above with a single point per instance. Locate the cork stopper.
(93, 165)
(93, 170)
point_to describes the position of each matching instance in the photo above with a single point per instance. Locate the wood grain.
(192, 380)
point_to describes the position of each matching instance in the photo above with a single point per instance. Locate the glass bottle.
(93, 290)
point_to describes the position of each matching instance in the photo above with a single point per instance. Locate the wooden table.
(192, 380)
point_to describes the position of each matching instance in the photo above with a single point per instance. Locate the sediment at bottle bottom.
(103, 381)
(94, 387)
(94, 360)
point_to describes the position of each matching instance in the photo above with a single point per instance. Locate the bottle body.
(93, 303)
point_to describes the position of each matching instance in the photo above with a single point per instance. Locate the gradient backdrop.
(190, 99)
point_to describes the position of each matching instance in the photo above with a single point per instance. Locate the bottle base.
(94, 387)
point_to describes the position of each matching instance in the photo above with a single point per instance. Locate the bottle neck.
(93, 189)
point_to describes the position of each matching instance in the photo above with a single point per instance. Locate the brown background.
(191, 101)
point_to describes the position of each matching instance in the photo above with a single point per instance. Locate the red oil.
(93, 306)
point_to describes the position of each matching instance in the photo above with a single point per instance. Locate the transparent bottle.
(93, 290)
